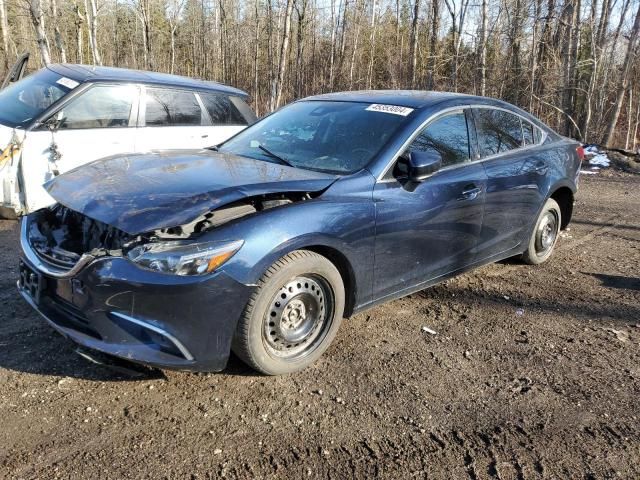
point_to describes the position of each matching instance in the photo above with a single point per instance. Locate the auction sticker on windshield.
(67, 82)
(393, 109)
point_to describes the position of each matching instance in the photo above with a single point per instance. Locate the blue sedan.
(329, 206)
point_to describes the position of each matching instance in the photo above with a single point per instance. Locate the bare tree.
(372, 44)
(483, 49)
(276, 94)
(91, 12)
(623, 80)
(433, 44)
(4, 32)
(413, 44)
(37, 18)
(78, 21)
(57, 36)
(174, 10)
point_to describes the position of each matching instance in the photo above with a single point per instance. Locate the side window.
(221, 110)
(102, 106)
(171, 108)
(528, 133)
(448, 136)
(498, 131)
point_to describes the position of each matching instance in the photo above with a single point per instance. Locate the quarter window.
(171, 108)
(102, 106)
(448, 136)
(498, 131)
(221, 110)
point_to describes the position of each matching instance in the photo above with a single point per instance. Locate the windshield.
(23, 101)
(335, 137)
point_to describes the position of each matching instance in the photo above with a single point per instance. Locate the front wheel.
(293, 315)
(545, 234)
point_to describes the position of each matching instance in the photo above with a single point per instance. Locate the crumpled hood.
(140, 193)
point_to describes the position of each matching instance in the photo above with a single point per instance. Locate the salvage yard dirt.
(533, 372)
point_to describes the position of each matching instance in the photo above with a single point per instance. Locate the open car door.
(17, 70)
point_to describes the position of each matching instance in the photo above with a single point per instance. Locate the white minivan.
(64, 116)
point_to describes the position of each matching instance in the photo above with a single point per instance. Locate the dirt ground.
(534, 373)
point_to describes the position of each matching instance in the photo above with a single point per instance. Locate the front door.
(429, 229)
(98, 123)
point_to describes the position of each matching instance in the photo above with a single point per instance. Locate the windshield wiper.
(276, 156)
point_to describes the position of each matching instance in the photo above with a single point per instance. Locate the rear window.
(221, 110)
(498, 131)
(24, 101)
(172, 108)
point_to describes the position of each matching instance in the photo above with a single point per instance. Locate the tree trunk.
(37, 18)
(433, 44)
(623, 81)
(354, 50)
(276, 96)
(56, 32)
(256, 58)
(483, 49)
(413, 46)
(332, 53)
(91, 12)
(4, 32)
(372, 45)
(300, 47)
(78, 21)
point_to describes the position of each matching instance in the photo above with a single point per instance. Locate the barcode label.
(393, 109)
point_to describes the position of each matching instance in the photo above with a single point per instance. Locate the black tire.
(278, 335)
(545, 234)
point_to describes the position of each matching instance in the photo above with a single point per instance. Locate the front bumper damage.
(110, 305)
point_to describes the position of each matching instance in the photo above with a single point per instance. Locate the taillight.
(580, 152)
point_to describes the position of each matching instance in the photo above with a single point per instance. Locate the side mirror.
(421, 165)
(54, 122)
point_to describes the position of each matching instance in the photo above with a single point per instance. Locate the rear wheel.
(545, 234)
(293, 315)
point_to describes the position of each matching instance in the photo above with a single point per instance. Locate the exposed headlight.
(180, 258)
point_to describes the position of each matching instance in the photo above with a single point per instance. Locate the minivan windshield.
(23, 101)
(327, 136)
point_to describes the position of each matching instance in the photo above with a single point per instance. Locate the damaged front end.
(64, 239)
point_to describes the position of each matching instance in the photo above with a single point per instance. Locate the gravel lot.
(534, 372)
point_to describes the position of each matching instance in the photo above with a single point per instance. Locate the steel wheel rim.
(546, 233)
(298, 318)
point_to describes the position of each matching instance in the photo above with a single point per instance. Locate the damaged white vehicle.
(64, 116)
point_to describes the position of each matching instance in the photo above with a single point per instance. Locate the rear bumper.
(160, 320)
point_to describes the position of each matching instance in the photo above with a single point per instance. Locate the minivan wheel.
(293, 315)
(545, 234)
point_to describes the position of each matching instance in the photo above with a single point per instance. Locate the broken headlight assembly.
(179, 258)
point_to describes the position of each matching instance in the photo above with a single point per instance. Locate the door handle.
(541, 168)
(205, 136)
(470, 192)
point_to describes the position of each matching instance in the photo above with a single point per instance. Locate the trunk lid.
(140, 193)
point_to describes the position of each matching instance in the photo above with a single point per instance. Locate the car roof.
(403, 98)
(417, 99)
(89, 73)
(422, 99)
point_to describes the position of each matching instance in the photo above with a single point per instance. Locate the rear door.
(228, 115)
(513, 172)
(429, 229)
(98, 122)
(172, 119)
